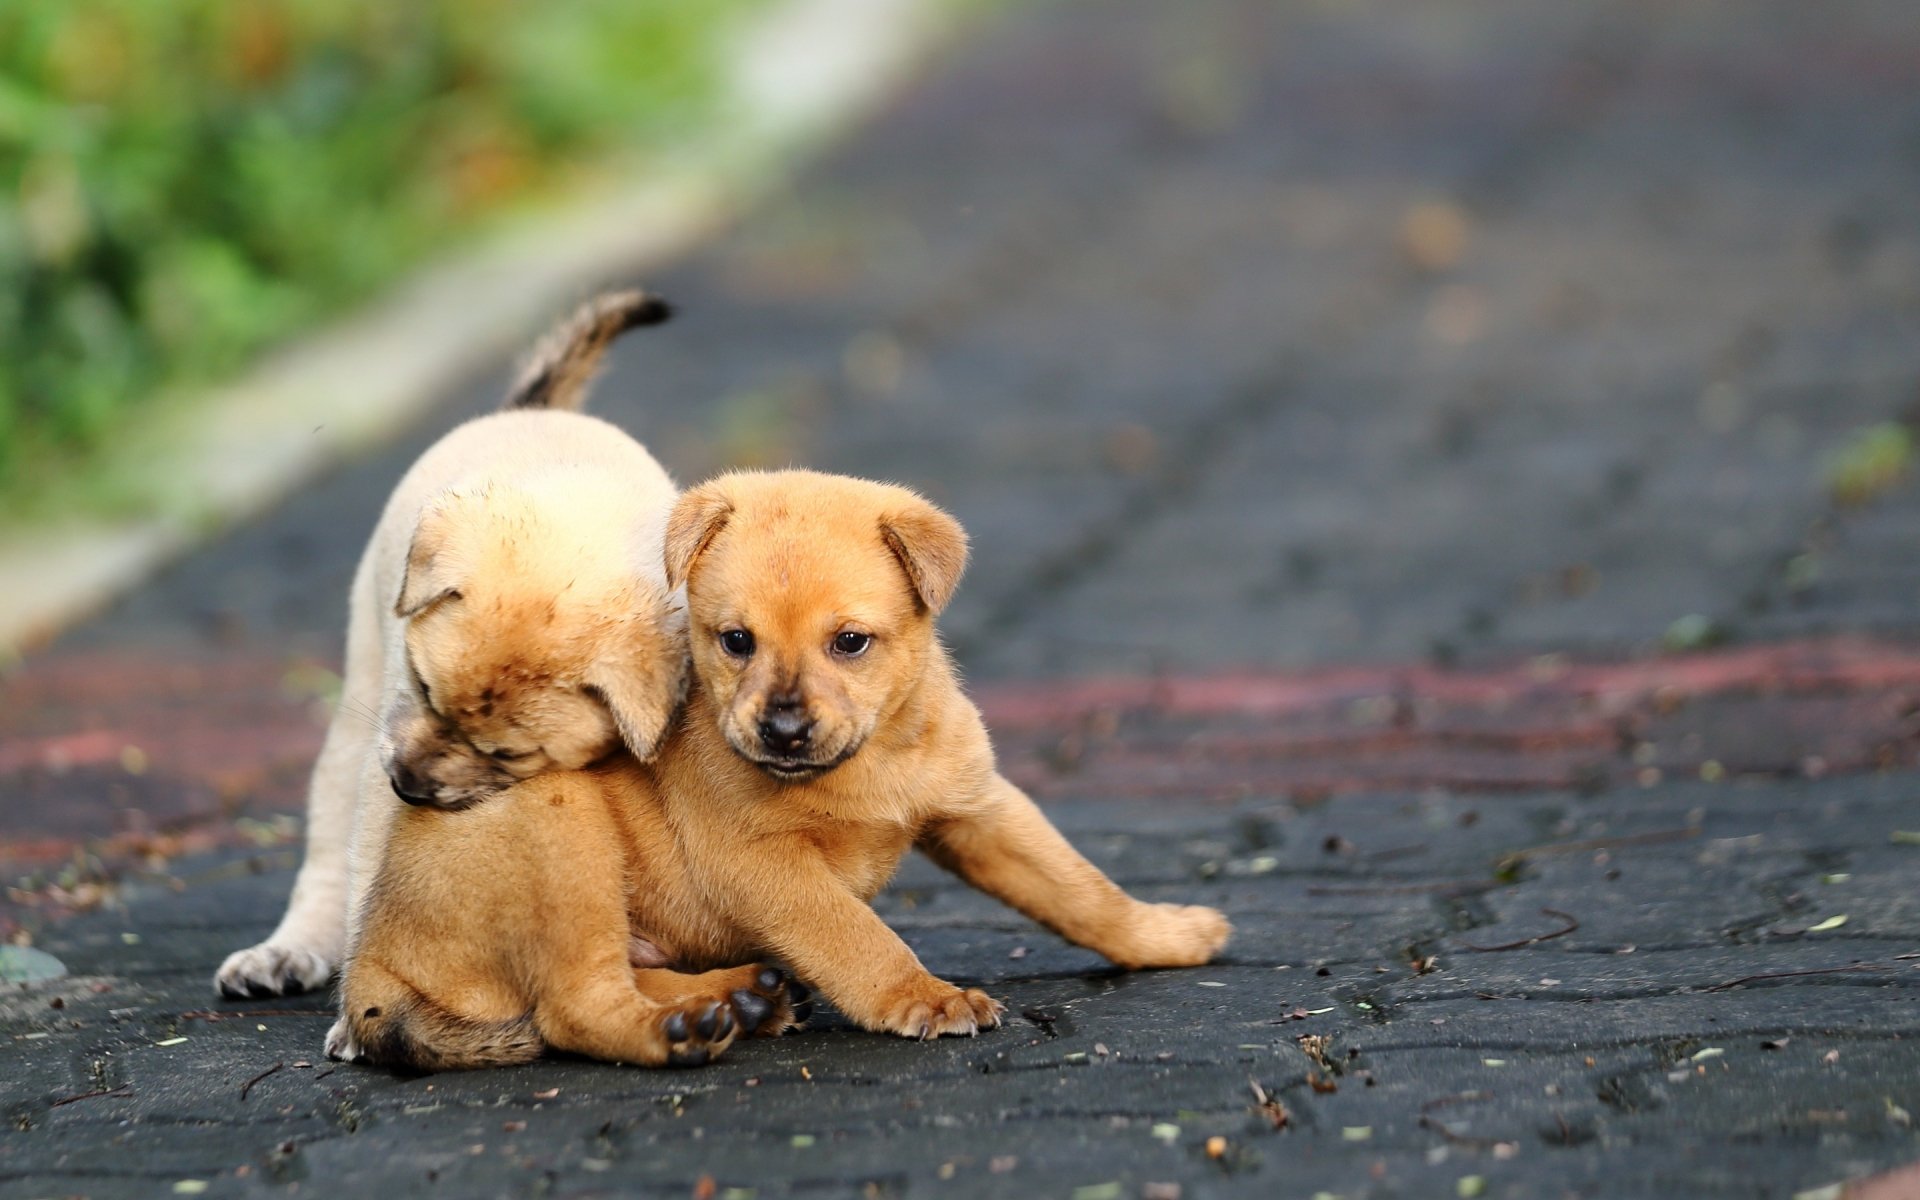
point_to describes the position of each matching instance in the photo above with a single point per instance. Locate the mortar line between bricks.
(1531, 993)
(1647, 1041)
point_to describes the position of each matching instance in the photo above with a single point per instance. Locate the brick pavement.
(1347, 403)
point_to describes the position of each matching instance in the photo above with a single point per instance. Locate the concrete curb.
(803, 72)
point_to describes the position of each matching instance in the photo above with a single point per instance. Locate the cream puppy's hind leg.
(306, 948)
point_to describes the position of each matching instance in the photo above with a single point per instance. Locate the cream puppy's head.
(811, 600)
(535, 641)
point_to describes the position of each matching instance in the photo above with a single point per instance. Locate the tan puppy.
(509, 616)
(492, 934)
(825, 735)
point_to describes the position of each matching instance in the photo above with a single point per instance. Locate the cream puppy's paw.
(273, 969)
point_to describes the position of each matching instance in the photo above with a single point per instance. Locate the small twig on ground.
(1458, 1139)
(1734, 983)
(1405, 889)
(245, 1014)
(1269, 1106)
(122, 1090)
(1571, 925)
(248, 1085)
(1456, 1098)
(1653, 837)
(1396, 852)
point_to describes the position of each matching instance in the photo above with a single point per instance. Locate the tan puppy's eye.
(737, 642)
(505, 755)
(851, 643)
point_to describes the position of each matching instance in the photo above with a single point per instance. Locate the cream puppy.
(509, 616)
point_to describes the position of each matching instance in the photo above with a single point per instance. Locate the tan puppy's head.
(811, 600)
(531, 646)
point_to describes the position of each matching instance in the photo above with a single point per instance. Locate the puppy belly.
(644, 953)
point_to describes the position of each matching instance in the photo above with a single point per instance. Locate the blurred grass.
(183, 181)
(1873, 461)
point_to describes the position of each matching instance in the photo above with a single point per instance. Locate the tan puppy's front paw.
(1173, 935)
(935, 1013)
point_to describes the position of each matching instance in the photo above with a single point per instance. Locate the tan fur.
(493, 934)
(509, 616)
(722, 851)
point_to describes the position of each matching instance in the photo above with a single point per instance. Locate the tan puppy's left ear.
(696, 520)
(932, 549)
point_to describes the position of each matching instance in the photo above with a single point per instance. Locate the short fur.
(725, 849)
(493, 934)
(509, 616)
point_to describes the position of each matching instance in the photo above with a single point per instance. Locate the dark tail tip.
(562, 366)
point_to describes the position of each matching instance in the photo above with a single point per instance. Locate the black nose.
(410, 785)
(785, 729)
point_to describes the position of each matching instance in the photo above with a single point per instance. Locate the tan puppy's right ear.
(431, 574)
(699, 516)
(932, 549)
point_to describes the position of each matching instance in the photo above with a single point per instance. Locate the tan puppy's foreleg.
(305, 949)
(1012, 852)
(833, 940)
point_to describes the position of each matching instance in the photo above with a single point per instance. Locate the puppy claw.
(956, 1013)
(696, 1042)
(340, 1044)
(694, 1056)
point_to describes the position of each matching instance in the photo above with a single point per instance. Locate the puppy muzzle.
(413, 787)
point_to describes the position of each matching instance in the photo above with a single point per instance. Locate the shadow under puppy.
(824, 735)
(510, 615)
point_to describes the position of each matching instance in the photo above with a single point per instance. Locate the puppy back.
(563, 363)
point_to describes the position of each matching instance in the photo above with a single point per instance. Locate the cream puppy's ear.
(432, 573)
(697, 518)
(643, 702)
(932, 549)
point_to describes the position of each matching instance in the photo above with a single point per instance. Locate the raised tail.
(564, 362)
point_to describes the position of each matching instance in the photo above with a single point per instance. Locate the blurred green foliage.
(183, 180)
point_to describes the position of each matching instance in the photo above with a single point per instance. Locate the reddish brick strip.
(143, 750)
(1791, 708)
(1845, 664)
